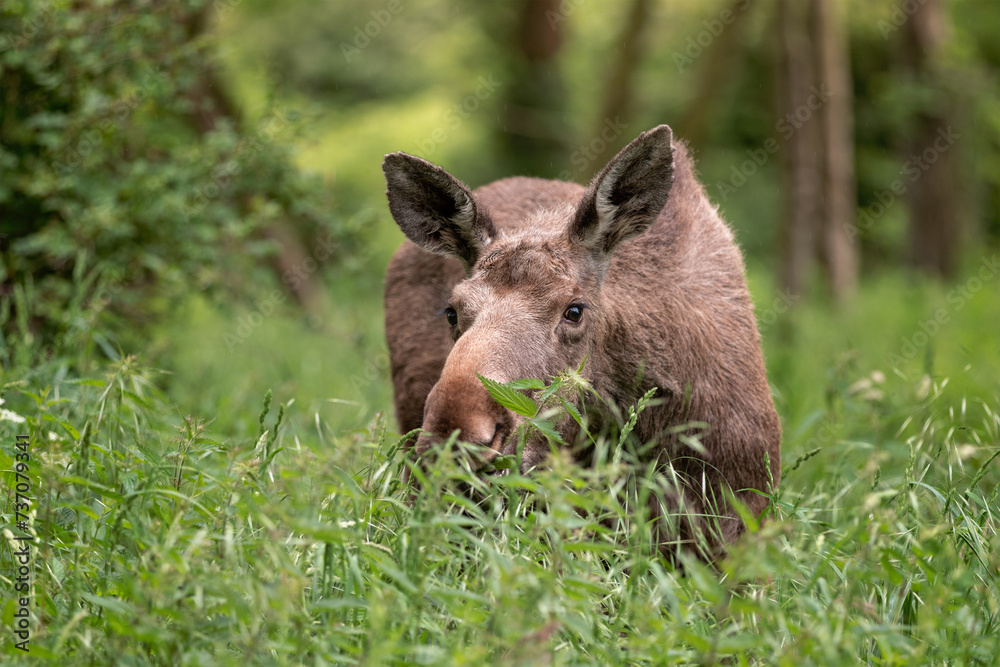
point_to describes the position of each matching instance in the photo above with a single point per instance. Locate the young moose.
(636, 274)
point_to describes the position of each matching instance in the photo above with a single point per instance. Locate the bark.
(619, 89)
(694, 124)
(210, 99)
(533, 135)
(837, 253)
(814, 98)
(934, 203)
(802, 183)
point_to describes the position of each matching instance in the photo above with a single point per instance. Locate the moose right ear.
(435, 210)
(627, 195)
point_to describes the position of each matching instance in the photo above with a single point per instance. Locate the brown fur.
(666, 305)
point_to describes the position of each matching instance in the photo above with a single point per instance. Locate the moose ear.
(628, 194)
(435, 210)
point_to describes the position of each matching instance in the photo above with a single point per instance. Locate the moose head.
(531, 304)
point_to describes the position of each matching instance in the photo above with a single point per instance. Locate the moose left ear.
(627, 195)
(435, 210)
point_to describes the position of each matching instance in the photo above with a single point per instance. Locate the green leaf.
(112, 604)
(509, 398)
(547, 429)
(97, 487)
(87, 383)
(69, 428)
(527, 383)
(571, 409)
(505, 462)
(551, 389)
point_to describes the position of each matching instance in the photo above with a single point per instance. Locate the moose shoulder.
(637, 273)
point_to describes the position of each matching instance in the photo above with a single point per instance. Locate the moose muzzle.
(461, 402)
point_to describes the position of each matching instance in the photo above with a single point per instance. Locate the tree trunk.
(837, 253)
(814, 91)
(619, 91)
(694, 124)
(935, 216)
(802, 185)
(533, 135)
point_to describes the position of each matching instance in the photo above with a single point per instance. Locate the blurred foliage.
(964, 86)
(348, 52)
(126, 160)
(124, 164)
(382, 98)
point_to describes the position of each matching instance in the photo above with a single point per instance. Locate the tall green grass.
(168, 539)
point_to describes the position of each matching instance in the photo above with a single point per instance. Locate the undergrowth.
(159, 541)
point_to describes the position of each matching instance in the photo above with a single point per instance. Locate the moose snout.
(466, 406)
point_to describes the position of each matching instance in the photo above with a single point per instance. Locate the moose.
(636, 276)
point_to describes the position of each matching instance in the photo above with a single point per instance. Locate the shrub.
(126, 166)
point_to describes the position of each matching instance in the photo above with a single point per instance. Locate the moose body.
(636, 276)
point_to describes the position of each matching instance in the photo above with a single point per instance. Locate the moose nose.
(491, 446)
(467, 407)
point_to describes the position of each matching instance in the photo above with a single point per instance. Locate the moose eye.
(574, 312)
(451, 315)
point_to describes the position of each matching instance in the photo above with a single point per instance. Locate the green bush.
(124, 164)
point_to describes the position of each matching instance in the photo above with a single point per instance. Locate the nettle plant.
(606, 483)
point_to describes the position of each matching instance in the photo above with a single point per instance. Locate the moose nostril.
(498, 435)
